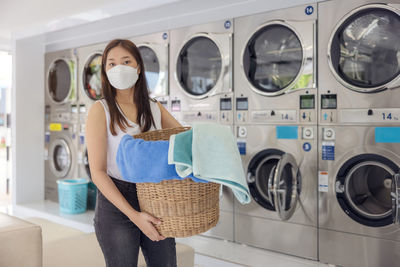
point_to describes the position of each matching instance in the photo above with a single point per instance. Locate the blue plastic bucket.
(72, 195)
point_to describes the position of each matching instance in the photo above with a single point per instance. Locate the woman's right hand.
(146, 223)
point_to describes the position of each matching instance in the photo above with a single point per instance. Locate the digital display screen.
(328, 102)
(242, 103)
(307, 102)
(226, 104)
(176, 105)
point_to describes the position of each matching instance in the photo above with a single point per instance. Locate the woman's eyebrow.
(110, 59)
(126, 57)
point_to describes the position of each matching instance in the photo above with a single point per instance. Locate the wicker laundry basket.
(185, 208)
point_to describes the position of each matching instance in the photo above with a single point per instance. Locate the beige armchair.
(20, 242)
(64, 246)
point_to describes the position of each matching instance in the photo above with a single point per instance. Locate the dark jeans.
(120, 238)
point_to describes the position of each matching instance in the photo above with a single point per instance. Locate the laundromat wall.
(28, 70)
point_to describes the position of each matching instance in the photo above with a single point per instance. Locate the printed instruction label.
(241, 146)
(328, 150)
(323, 181)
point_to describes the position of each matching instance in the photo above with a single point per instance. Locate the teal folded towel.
(180, 151)
(210, 152)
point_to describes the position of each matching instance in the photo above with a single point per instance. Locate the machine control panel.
(74, 109)
(176, 105)
(61, 117)
(191, 116)
(242, 107)
(226, 110)
(47, 111)
(328, 108)
(307, 112)
(371, 115)
(287, 115)
(82, 109)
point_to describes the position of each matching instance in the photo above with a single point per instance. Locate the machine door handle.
(284, 191)
(396, 198)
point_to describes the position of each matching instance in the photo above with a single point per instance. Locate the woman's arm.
(167, 120)
(96, 140)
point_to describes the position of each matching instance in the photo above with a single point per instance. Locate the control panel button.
(242, 132)
(308, 133)
(328, 134)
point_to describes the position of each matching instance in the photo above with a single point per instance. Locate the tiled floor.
(210, 252)
(236, 255)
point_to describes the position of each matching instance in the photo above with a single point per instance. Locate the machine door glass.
(261, 185)
(396, 199)
(59, 81)
(199, 66)
(366, 189)
(92, 77)
(272, 59)
(273, 180)
(151, 66)
(365, 49)
(285, 186)
(60, 158)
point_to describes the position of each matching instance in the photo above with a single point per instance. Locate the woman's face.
(120, 56)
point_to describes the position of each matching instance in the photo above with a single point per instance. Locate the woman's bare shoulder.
(96, 112)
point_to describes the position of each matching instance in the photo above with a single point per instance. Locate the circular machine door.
(364, 50)
(92, 77)
(60, 80)
(86, 163)
(366, 189)
(60, 158)
(273, 59)
(152, 68)
(199, 66)
(274, 182)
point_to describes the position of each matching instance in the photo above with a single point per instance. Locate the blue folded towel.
(210, 152)
(141, 161)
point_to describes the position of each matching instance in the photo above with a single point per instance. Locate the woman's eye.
(111, 64)
(127, 61)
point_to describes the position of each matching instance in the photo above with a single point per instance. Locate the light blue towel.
(141, 161)
(212, 156)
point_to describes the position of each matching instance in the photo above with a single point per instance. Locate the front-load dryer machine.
(358, 60)
(201, 73)
(90, 90)
(154, 49)
(61, 119)
(201, 89)
(280, 162)
(276, 128)
(275, 66)
(359, 195)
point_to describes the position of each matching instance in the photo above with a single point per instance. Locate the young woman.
(126, 108)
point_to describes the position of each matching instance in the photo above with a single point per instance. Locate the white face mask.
(122, 77)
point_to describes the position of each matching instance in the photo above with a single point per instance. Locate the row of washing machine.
(311, 93)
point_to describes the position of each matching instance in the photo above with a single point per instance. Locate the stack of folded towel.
(206, 153)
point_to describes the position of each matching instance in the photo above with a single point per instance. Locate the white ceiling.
(27, 17)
